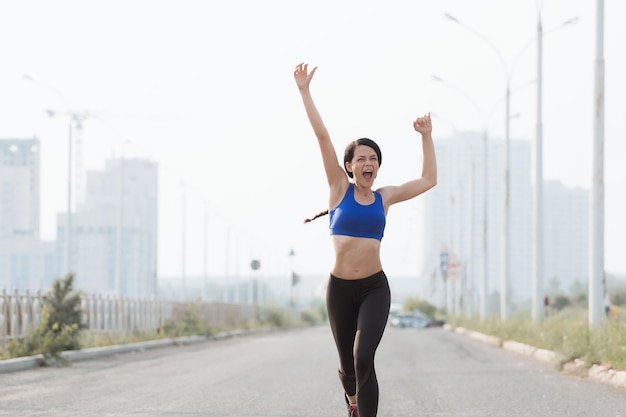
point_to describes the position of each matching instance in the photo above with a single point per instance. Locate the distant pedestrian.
(358, 295)
(546, 305)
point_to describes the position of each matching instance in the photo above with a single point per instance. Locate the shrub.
(59, 328)
(311, 317)
(61, 316)
(560, 302)
(190, 324)
(412, 304)
(276, 317)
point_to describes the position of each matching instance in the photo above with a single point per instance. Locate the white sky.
(206, 89)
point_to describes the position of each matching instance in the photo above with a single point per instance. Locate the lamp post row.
(537, 282)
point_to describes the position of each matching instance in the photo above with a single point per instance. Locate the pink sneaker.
(352, 408)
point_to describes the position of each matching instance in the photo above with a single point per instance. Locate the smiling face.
(364, 165)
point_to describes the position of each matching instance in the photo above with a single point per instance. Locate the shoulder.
(385, 195)
(386, 192)
(390, 194)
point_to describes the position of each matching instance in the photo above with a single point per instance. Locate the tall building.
(25, 261)
(454, 223)
(114, 232)
(566, 237)
(453, 227)
(19, 187)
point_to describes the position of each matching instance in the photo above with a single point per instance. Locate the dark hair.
(320, 214)
(347, 157)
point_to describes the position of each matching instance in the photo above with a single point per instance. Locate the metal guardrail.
(20, 314)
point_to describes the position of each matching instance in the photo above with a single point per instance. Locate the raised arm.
(408, 190)
(334, 172)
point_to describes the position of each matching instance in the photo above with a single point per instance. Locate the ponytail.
(320, 214)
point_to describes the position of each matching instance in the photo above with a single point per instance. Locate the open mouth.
(368, 175)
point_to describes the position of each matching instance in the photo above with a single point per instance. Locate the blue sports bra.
(350, 218)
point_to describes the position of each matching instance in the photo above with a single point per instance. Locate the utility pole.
(183, 245)
(120, 226)
(537, 308)
(596, 261)
(205, 253)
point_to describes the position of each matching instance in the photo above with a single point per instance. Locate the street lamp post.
(538, 306)
(227, 283)
(183, 245)
(120, 225)
(596, 261)
(537, 296)
(205, 252)
(68, 230)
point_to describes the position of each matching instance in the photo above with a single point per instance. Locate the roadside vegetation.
(565, 330)
(60, 328)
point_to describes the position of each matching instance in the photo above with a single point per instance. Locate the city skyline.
(224, 119)
(451, 216)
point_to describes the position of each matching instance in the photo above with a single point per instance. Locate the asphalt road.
(421, 372)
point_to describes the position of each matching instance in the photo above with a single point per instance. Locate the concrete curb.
(541, 355)
(598, 373)
(607, 375)
(21, 364)
(29, 362)
(490, 340)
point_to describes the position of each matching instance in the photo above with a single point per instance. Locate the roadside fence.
(114, 316)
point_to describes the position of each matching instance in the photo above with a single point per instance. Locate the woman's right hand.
(302, 75)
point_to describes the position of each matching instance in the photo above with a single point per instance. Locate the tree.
(59, 327)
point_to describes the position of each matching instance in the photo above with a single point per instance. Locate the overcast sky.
(205, 88)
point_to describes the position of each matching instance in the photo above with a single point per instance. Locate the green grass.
(191, 323)
(566, 332)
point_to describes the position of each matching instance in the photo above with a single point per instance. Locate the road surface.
(421, 372)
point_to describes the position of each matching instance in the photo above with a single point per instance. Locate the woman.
(358, 296)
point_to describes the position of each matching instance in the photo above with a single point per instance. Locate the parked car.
(415, 319)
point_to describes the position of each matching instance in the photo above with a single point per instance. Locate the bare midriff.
(356, 257)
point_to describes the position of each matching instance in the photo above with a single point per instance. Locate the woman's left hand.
(423, 124)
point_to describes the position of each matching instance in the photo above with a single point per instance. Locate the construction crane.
(77, 174)
(78, 118)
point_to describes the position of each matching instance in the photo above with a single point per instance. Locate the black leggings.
(358, 311)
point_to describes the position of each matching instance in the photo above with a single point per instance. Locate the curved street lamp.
(537, 296)
(505, 279)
